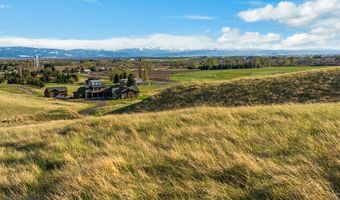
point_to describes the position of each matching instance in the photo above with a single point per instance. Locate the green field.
(219, 75)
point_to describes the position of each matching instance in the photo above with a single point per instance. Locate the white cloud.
(232, 38)
(159, 41)
(316, 38)
(3, 6)
(321, 18)
(291, 14)
(197, 17)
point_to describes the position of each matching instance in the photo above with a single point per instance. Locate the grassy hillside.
(304, 87)
(23, 109)
(274, 152)
(219, 75)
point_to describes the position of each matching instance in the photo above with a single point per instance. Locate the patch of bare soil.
(163, 75)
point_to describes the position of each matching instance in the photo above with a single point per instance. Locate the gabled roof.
(58, 89)
(95, 82)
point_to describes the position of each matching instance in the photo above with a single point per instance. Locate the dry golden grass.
(19, 109)
(303, 87)
(270, 152)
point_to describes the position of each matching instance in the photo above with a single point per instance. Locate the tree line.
(39, 77)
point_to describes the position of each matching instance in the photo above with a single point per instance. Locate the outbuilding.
(56, 92)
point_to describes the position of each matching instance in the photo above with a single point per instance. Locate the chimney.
(122, 83)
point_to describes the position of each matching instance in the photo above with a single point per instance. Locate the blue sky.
(217, 23)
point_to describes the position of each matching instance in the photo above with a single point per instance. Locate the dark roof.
(121, 90)
(59, 89)
(97, 86)
(134, 88)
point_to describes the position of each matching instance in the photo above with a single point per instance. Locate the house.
(91, 89)
(140, 81)
(56, 92)
(123, 82)
(102, 69)
(95, 89)
(87, 71)
(124, 92)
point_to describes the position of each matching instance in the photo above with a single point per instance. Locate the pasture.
(220, 75)
(273, 152)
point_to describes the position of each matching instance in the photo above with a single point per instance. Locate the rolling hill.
(304, 87)
(19, 109)
(265, 152)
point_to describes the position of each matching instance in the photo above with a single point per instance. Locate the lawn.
(218, 75)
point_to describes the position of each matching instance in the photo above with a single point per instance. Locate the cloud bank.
(156, 41)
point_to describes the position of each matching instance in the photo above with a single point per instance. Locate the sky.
(170, 24)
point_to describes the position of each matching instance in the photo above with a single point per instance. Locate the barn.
(56, 92)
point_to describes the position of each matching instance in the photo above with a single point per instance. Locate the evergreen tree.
(131, 81)
(116, 79)
(125, 75)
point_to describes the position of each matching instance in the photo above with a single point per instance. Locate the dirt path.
(24, 89)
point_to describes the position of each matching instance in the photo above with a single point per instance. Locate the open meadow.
(220, 75)
(264, 152)
(24, 109)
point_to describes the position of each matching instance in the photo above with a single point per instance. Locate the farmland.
(219, 75)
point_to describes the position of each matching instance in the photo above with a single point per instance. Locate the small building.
(102, 69)
(87, 71)
(123, 82)
(139, 81)
(56, 92)
(124, 92)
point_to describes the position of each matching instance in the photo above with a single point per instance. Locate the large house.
(96, 89)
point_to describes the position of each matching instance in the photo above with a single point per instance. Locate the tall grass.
(270, 152)
(16, 109)
(304, 87)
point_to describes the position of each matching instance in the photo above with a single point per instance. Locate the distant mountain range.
(24, 52)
